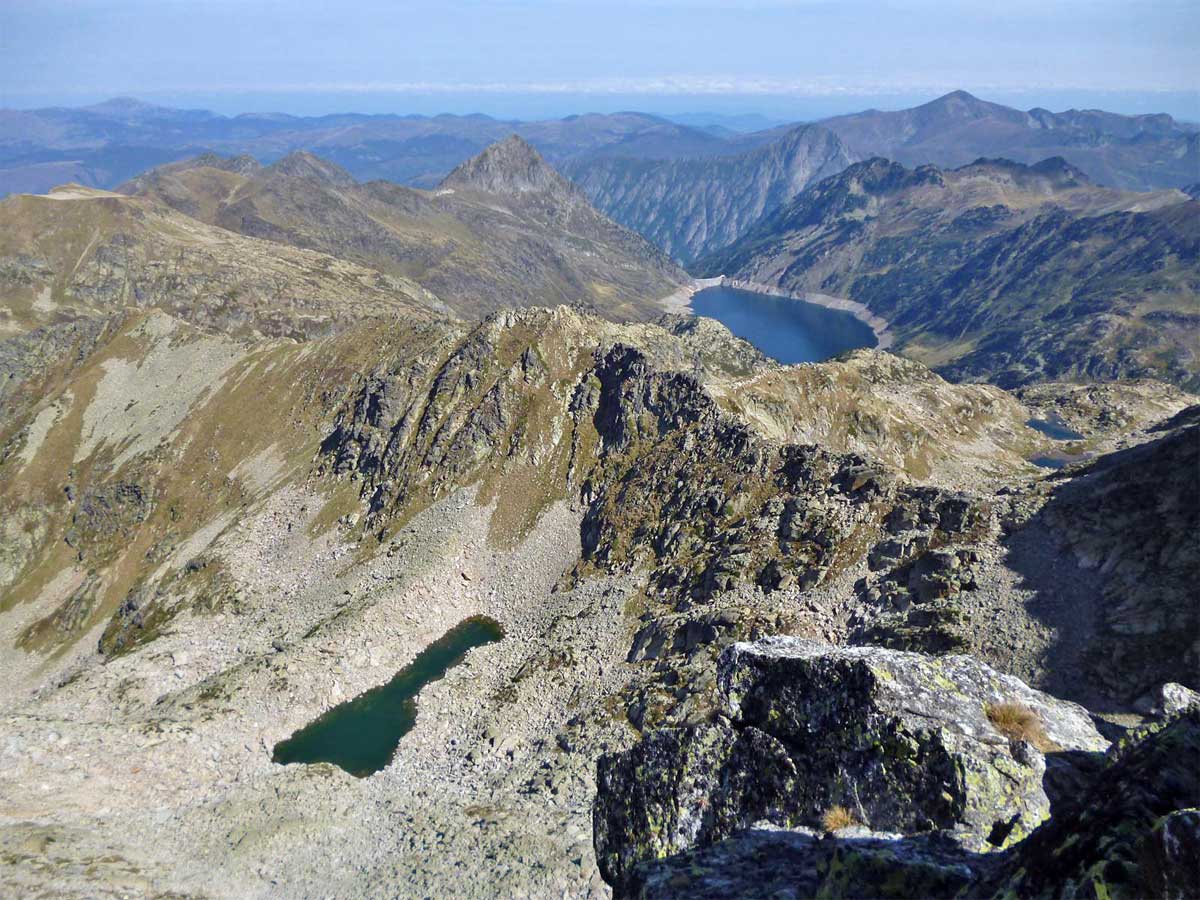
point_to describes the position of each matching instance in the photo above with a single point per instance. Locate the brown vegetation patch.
(1018, 722)
(836, 818)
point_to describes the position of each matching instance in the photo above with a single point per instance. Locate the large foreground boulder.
(901, 742)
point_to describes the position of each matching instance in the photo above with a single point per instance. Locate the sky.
(526, 58)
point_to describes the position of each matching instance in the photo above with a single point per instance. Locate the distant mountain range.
(106, 144)
(103, 145)
(1136, 152)
(996, 270)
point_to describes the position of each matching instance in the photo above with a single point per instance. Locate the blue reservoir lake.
(787, 330)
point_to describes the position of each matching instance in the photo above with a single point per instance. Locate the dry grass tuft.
(836, 818)
(1018, 722)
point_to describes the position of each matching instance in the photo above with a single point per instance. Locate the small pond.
(1054, 428)
(361, 735)
(1058, 460)
(1050, 462)
(790, 331)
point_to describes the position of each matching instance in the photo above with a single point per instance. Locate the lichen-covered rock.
(685, 786)
(902, 740)
(1135, 832)
(1168, 699)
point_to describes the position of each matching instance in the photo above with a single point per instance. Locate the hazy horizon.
(782, 59)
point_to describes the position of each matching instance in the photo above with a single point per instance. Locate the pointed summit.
(960, 105)
(512, 167)
(959, 98)
(302, 164)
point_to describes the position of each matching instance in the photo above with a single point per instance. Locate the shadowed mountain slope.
(996, 270)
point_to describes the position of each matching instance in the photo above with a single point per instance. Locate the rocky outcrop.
(1128, 833)
(1167, 700)
(902, 741)
(906, 743)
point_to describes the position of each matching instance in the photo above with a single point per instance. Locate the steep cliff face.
(692, 207)
(962, 263)
(900, 741)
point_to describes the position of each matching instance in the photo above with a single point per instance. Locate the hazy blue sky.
(527, 57)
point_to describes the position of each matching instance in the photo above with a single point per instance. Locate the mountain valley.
(912, 621)
(689, 207)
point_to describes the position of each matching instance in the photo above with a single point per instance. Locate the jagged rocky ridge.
(205, 537)
(672, 485)
(713, 508)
